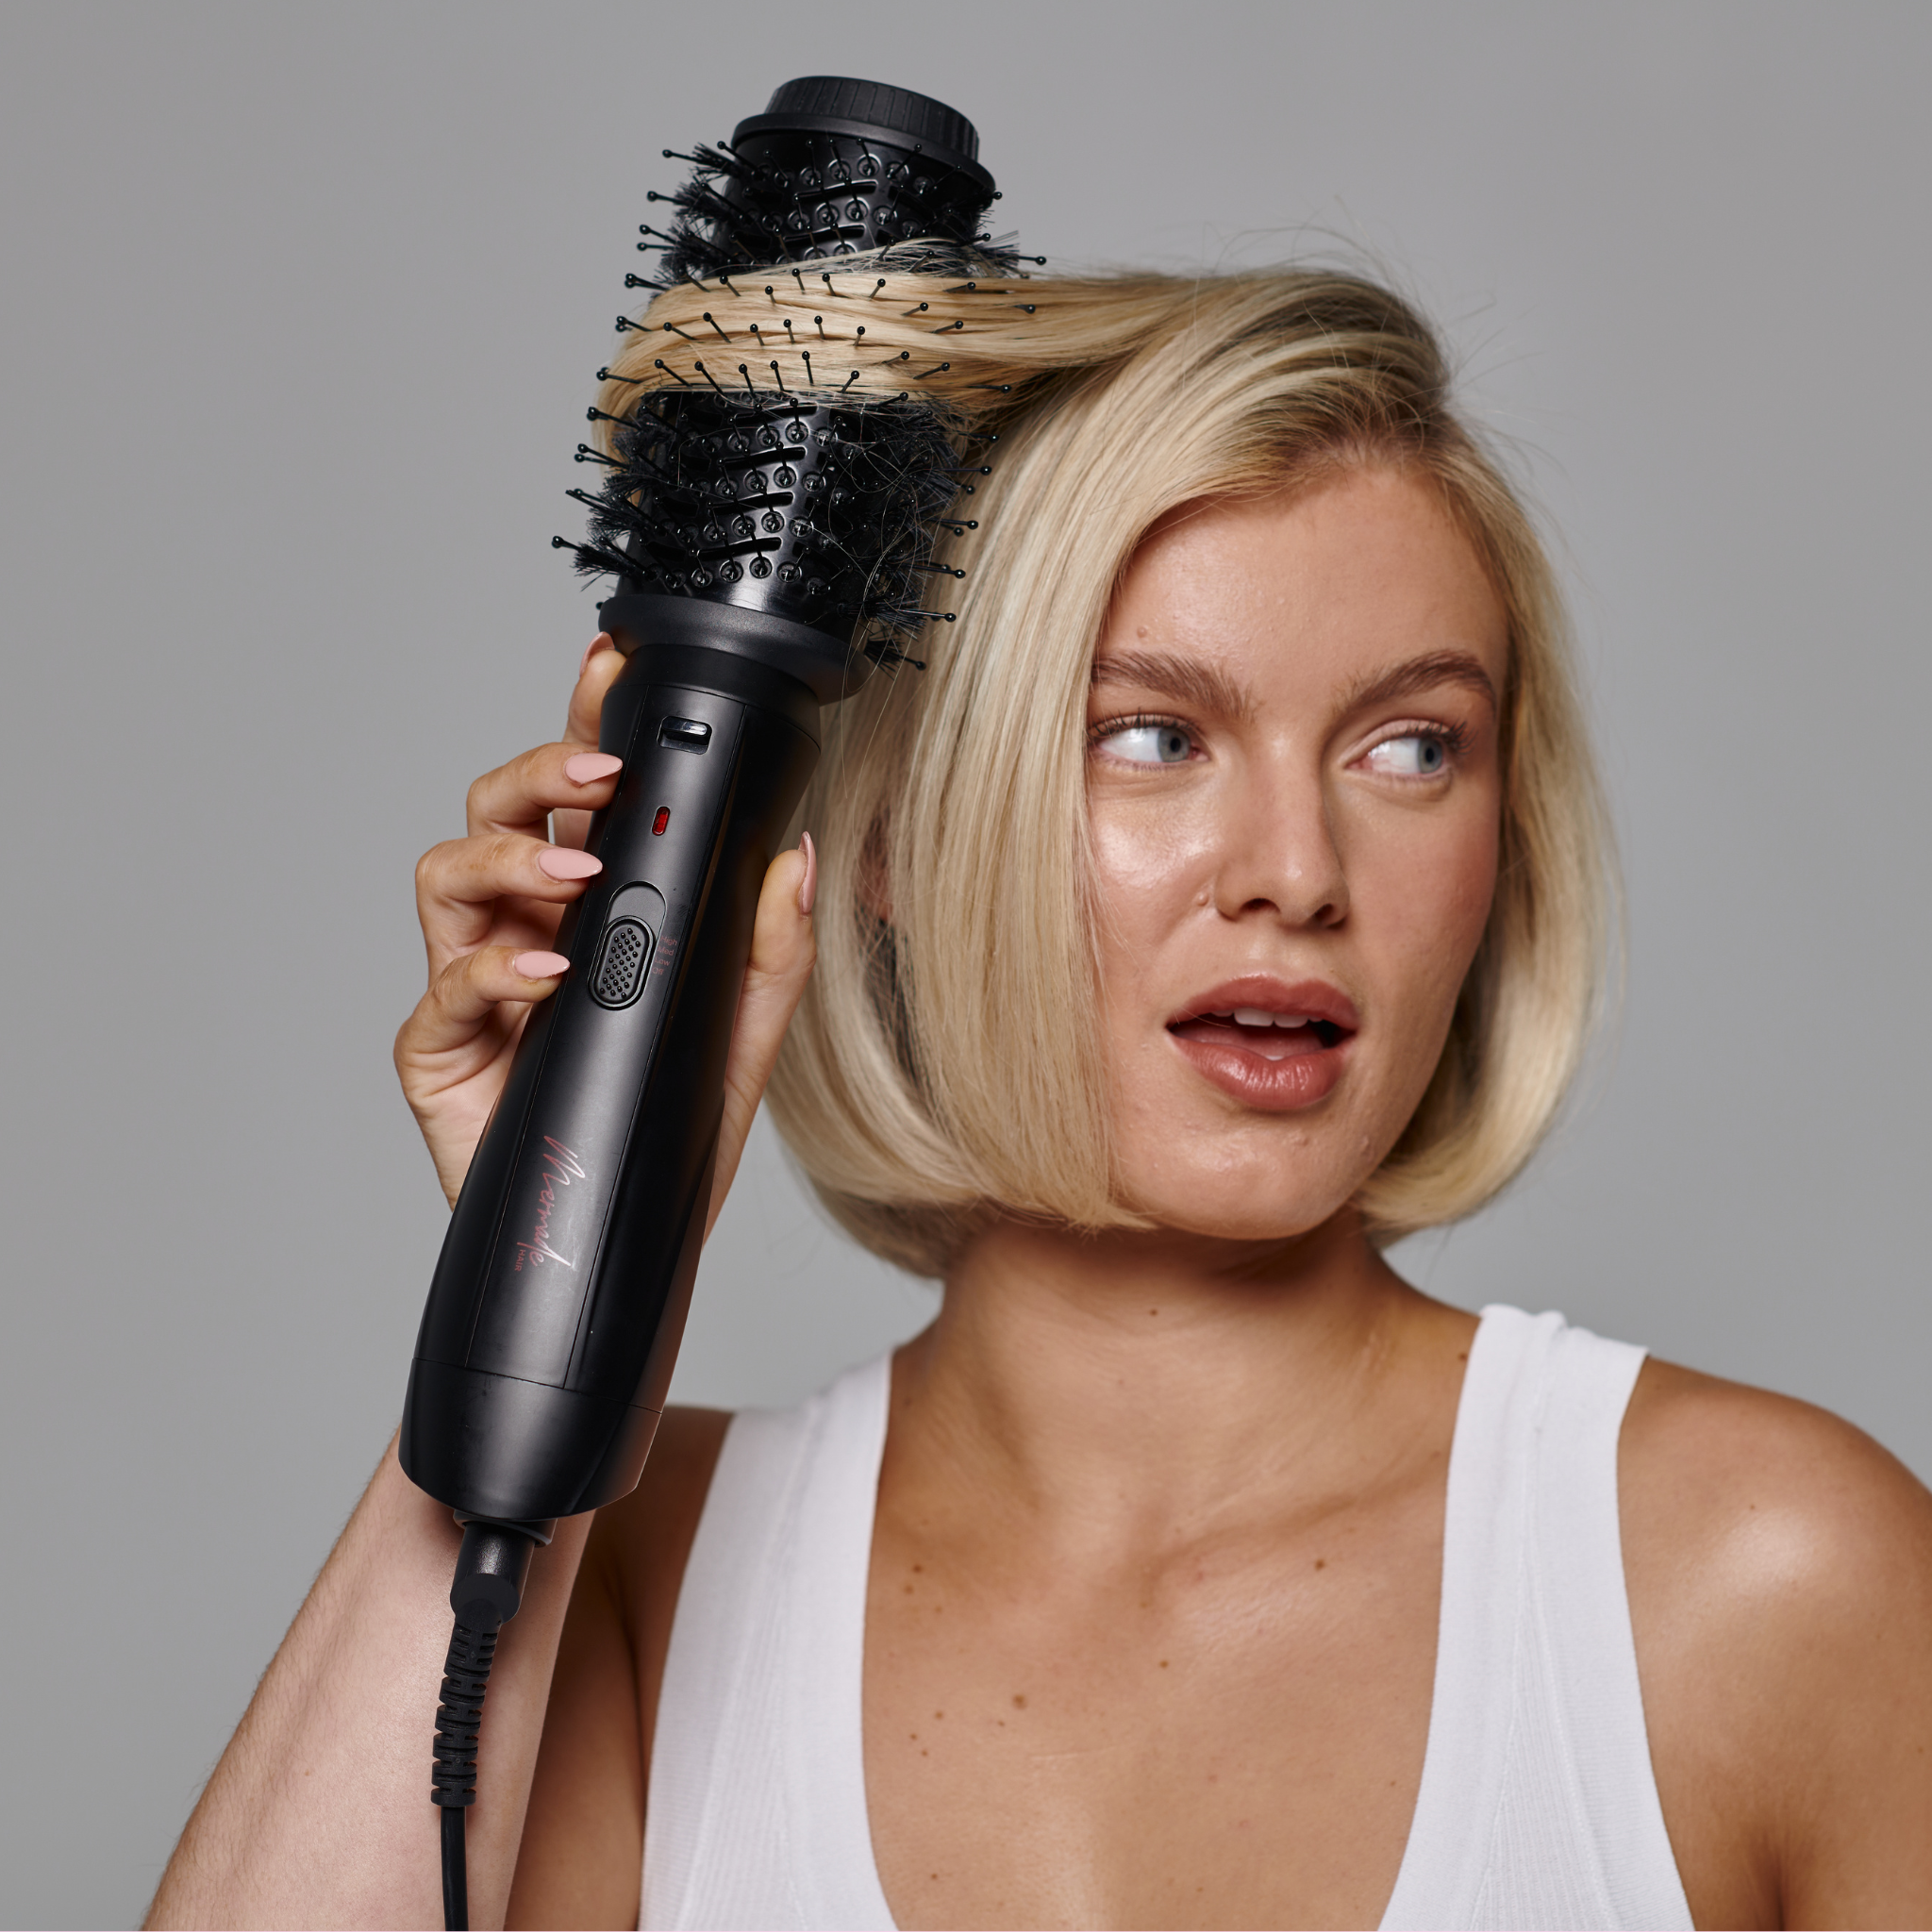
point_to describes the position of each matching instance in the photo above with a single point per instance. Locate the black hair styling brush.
(771, 546)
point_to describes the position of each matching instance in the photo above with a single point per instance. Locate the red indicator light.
(658, 823)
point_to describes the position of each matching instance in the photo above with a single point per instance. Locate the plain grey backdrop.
(302, 304)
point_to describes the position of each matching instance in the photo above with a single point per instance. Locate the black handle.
(558, 1302)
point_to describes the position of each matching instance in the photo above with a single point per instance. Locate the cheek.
(1151, 864)
(1421, 901)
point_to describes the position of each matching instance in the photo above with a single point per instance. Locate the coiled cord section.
(488, 1587)
(453, 1783)
(459, 1716)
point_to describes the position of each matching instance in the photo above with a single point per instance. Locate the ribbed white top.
(1537, 1807)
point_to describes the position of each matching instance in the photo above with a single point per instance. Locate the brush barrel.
(762, 502)
(558, 1302)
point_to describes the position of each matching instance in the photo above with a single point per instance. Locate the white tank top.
(1537, 1807)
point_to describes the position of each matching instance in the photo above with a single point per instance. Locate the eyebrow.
(1211, 689)
(1416, 675)
(1193, 682)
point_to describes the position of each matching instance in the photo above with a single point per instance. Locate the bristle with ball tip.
(734, 487)
(823, 513)
(850, 197)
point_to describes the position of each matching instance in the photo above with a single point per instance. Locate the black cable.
(453, 1784)
(456, 1876)
(489, 1586)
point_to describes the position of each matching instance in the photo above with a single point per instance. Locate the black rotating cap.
(829, 104)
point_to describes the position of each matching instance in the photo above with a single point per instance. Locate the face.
(1295, 798)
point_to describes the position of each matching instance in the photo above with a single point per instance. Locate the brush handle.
(558, 1302)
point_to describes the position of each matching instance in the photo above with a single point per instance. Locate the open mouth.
(1253, 1029)
(1268, 1044)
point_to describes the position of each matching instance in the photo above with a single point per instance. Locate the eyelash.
(1141, 720)
(1454, 739)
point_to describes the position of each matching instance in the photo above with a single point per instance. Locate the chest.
(1230, 1733)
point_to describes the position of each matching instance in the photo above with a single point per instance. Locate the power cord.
(488, 1587)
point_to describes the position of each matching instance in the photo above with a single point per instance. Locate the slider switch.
(623, 952)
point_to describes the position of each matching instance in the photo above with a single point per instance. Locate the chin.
(1242, 1205)
(1254, 1174)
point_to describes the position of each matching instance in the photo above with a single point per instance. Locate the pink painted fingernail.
(541, 965)
(589, 766)
(592, 649)
(808, 885)
(566, 863)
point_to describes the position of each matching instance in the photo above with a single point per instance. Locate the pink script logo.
(561, 1168)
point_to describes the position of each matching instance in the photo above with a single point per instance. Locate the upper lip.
(1305, 999)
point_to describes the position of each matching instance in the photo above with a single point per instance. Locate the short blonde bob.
(939, 1072)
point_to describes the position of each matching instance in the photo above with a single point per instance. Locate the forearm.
(319, 1811)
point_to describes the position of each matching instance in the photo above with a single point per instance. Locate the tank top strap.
(1538, 1805)
(757, 1812)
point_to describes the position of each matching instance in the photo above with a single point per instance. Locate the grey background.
(301, 308)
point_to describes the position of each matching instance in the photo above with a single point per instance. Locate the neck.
(1127, 1382)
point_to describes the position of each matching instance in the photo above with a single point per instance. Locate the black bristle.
(821, 507)
(733, 215)
(698, 482)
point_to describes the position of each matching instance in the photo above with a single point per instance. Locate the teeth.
(1256, 1016)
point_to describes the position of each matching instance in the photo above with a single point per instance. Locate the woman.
(1225, 900)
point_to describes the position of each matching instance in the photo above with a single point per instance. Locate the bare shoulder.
(678, 1473)
(1782, 1504)
(584, 1827)
(1779, 1568)
(645, 1538)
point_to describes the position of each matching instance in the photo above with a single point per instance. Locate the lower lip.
(1280, 1086)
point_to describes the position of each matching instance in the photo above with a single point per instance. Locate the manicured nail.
(589, 766)
(566, 863)
(808, 885)
(592, 649)
(541, 965)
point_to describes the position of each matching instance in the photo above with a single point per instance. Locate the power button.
(625, 945)
(619, 975)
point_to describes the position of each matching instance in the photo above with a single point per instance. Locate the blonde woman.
(1230, 896)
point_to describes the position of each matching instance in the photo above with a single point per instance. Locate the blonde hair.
(940, 1070)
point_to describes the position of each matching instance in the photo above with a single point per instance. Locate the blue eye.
(1150, 744)
(1414, 755)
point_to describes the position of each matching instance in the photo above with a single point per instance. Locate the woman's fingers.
(520, 795)
(468, 890)
(782, 953)
(491, 904)
(570, 822)
(595, 675)
(468, 1021)
(468, 991)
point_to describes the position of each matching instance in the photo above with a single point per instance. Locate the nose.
(1279, 855)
